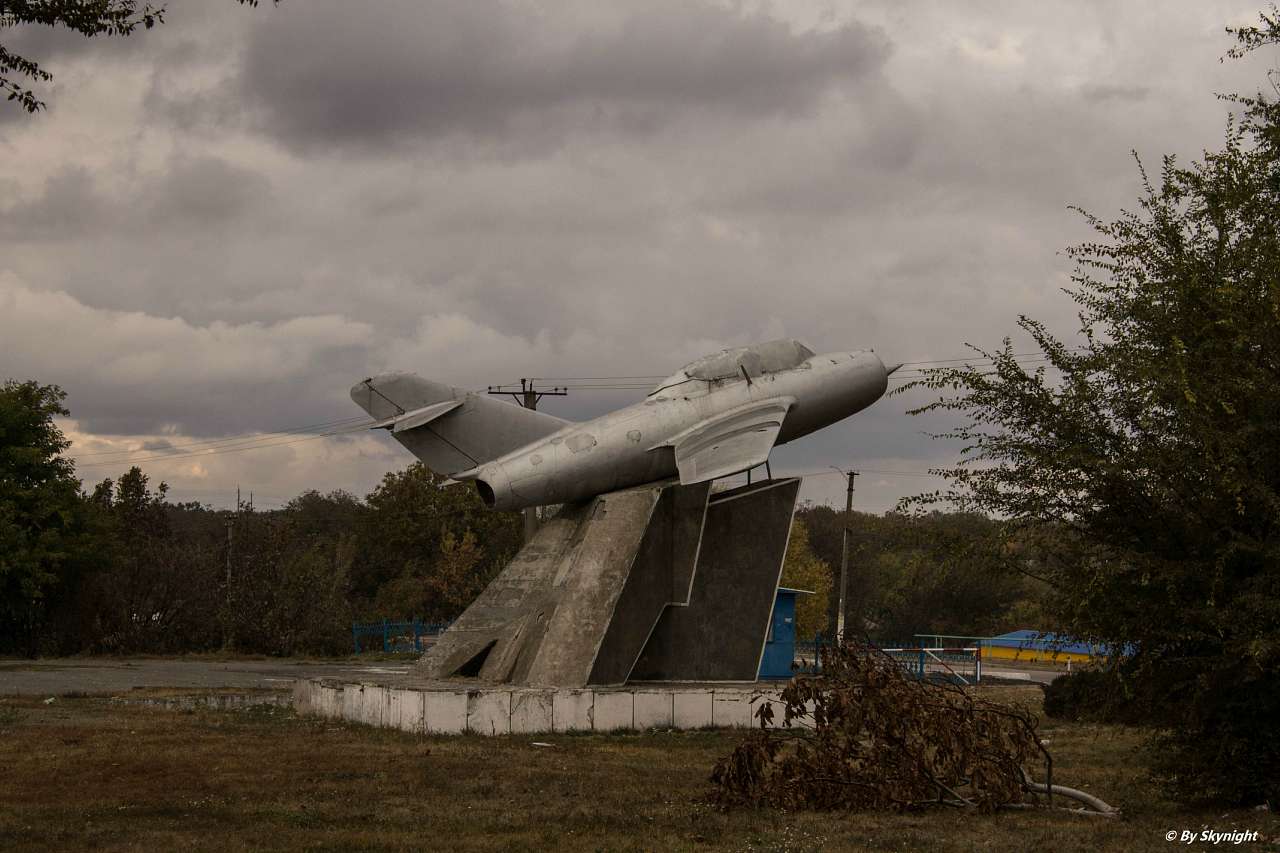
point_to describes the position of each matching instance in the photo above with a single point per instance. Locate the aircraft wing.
(730, 442)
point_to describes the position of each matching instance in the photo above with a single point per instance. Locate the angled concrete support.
(720, 634)
(590, 599)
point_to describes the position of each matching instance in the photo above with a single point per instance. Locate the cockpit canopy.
(755, 360)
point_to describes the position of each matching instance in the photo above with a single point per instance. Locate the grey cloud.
(68, 207)
(191, 193)
(133, 372)
(1112, 92)
(651, 183)
(204, 191)
(403, 71)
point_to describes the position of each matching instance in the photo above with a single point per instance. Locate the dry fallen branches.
(864, 734)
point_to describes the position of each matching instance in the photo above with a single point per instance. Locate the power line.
(984, 357)
(862, 470)
(197, 454)
(225, 439)
(346, 426)
(589, 378)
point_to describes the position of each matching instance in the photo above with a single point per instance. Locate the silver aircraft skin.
(717, 416)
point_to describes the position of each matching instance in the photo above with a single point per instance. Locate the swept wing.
(729, 442)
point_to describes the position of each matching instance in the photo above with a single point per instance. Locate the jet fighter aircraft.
(716, 416)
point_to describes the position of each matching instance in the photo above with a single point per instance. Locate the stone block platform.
(455, 707)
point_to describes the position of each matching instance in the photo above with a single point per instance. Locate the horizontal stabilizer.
(729, 443)
(418, 417)
(450, 429)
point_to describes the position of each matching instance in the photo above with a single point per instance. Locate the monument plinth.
(655, 583)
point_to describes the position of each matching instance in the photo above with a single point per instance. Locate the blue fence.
(960, 664)
(394, 636)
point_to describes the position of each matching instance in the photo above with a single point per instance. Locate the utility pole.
(231, 524)
(528, 397)
(844, 557)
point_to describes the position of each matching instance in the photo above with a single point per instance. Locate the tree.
(153, 590)
(803, 570)
(44, 536)
(410, 517)
(89, 18)
(944, 573)
(442, 592)
(1145, 457)
(289, 590)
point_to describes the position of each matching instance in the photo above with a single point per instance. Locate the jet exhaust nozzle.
(493, 485)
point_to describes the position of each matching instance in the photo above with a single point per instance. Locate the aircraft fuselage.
(639, 444)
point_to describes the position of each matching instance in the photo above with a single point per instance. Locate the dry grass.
(89, 773)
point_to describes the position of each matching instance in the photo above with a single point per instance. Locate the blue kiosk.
(780, 645)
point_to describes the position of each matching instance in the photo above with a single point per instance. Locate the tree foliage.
(938, 573)
(803, 570)
(416, 536)
(88, 18)
(150, 589)
(1144, 458)
(43, 525)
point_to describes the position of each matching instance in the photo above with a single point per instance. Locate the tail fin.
(449, 439)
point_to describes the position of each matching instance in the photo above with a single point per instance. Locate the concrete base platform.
(458, 707)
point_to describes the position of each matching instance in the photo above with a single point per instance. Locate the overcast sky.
(219, 225)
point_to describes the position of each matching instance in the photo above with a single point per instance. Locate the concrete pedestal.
(661, 583)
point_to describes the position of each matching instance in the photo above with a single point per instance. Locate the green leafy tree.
(289, 590)
(943, 573)
(415, 535)
(444, 591)
(802, 569)
(154, 591)
(44, 535)
(88, 18)
(1145, 455)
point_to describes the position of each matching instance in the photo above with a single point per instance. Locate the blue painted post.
(385, 643)
(921, 674)
(355, 636)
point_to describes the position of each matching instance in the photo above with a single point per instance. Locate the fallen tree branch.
(881, 739)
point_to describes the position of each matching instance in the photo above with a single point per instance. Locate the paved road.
(57, 676)
(1035, 676)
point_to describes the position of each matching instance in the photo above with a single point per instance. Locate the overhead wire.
(257, 445)
(226, 439)
(345, 426)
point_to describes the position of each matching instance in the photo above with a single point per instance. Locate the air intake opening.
(486, 493)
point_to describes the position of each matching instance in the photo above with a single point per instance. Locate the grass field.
(92, 773)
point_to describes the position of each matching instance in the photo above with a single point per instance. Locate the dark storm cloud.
(651, 182)
(68, 207)
(400, 71)
(192, 193)
(202, 191)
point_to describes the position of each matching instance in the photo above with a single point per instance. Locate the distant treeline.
(155, 576)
